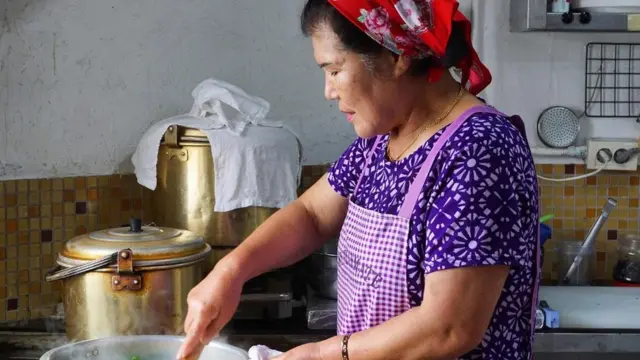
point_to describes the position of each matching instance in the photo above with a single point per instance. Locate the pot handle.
(59, 273)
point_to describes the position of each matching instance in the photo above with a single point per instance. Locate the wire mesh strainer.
(558, 127)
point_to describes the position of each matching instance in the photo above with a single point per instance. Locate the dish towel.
(257, 161)
(261, 352)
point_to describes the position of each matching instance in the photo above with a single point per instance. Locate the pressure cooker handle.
(59, 273)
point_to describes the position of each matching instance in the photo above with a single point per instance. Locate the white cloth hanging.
(257, 161)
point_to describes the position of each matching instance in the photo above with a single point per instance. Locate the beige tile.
(57, 197)
(69, 208)
(23, 198)
(46, 223)
(12, 315)
(23, 185)
(69, 183)
(92, 182)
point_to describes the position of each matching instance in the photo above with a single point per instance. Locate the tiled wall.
(578, 203)
(37, 216)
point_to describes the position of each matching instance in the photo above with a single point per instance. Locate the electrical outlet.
(610, 146)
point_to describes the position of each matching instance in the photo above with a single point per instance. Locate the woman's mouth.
(350, 117)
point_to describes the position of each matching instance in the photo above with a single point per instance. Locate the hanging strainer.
(558, 127)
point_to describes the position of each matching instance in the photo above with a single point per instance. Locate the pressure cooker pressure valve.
(135, 225)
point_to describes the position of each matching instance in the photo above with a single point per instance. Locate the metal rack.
(612, 80)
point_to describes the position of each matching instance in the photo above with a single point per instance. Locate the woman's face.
(371, 102)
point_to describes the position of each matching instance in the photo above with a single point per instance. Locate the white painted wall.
(533, 71)
(80, 80)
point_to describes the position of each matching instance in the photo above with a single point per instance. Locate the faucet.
(590, 239)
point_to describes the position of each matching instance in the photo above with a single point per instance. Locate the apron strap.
(367, 162)
(416, 186)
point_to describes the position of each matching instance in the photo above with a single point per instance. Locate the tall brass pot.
(184, 196)
(128, 281)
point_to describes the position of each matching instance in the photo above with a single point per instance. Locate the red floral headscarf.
(417, 28)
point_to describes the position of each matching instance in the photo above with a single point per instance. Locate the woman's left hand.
(303, 352)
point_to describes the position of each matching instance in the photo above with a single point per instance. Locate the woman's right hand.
(212, 304)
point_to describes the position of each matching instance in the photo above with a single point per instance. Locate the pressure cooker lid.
(149, 244)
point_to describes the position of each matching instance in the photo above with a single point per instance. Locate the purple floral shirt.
(478, 207)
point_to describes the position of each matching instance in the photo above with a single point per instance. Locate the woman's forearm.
(283, 239)
(451, 321)
(410, 336)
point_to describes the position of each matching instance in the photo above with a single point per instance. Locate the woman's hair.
(317, 13)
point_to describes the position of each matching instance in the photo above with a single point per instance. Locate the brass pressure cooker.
(128, 281)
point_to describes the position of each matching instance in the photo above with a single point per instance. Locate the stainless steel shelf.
(532, 15)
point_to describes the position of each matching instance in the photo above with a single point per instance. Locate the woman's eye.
(333, 73)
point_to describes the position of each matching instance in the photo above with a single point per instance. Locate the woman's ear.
(402, 65)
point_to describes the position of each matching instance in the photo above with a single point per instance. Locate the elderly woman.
(435, 202)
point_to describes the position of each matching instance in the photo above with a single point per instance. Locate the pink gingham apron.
(372, 250)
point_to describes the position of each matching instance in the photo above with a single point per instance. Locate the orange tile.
(590, 213)
(592, 180)
(580, 168)
(92, 195)
(634, 180)
(81, 182)
(633, 203)
(547, 169)
(569, 191)
(12, 226)
(81, 230)
(613, 191)
(622, 224)
(34, 211)
(23, 276)
(23, 237)
(11, 200)
(68, 196)
(57, 209)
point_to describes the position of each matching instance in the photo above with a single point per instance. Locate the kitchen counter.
(29, 342)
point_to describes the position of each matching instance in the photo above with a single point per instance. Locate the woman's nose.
(329, 90)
